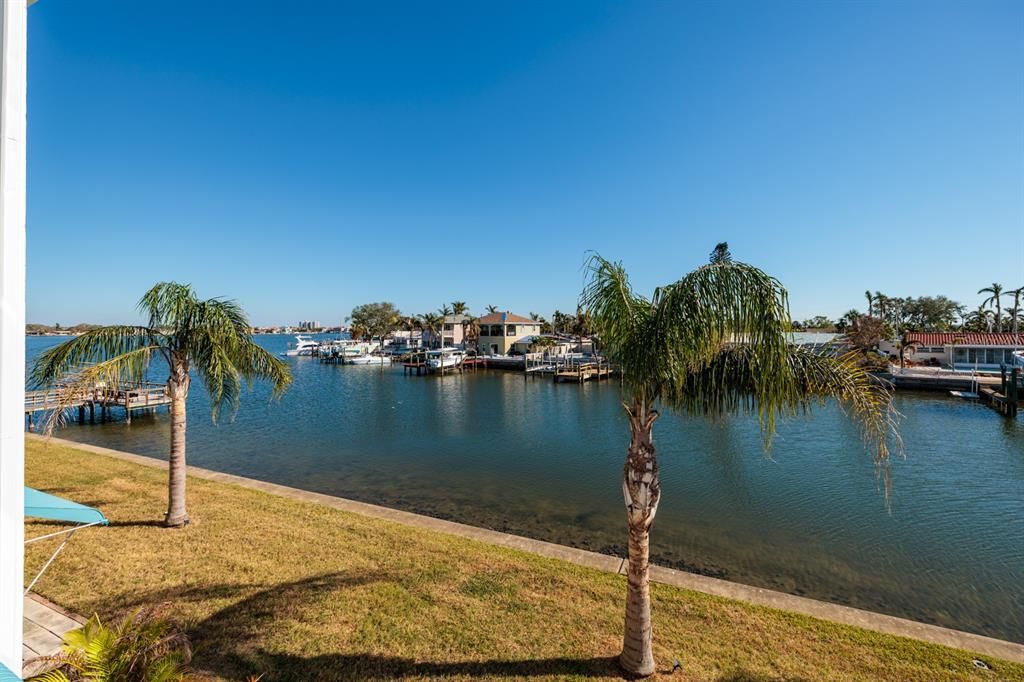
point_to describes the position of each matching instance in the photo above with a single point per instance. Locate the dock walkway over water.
(567, 368)
(129, 397)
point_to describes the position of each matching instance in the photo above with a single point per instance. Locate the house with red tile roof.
(986, 351)
(500, 332)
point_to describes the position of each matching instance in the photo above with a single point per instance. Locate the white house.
(987, 351)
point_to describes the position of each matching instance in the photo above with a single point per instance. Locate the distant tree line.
(58, 329)
(897, 315)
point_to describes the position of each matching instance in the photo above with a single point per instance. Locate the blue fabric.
(41, 505)
(7, 676)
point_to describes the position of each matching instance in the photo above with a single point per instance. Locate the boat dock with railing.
(129, 397)
(571, 367)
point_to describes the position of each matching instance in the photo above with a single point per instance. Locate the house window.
(449, 341)
(510, 330)
(496, 330)
(448, 326)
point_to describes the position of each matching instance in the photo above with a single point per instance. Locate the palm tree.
(470, 332)
(996, 291)
(714, 342)
(1014, 311)
(459, 307)
(980, 319)
(431, 323)
(492, 309)
(867, 295)
(882, 305)
(211, 337)
(142, 645)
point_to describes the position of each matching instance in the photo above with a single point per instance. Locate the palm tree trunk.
(177, 385)
(642, 491)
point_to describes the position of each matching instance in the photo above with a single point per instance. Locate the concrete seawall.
(877, 622)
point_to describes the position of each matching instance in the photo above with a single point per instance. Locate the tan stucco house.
(499, 332)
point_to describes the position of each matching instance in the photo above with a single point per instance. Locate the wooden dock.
(583, 372)
(129, 397)
(416, 363)
(576, 369)
(1007, 399)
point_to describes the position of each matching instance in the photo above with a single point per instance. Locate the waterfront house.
(500, 332)
(453, 330)
(986, 351)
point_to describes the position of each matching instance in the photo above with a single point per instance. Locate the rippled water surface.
(545, 460)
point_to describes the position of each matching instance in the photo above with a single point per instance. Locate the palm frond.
(622, 319)
(222, 351)
(168, 304)
(112, 375)
(93, 346)
(730, 383)
(724, 303)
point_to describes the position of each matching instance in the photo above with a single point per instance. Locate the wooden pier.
(416, 363)
(583, 372)
(567, 368)
(129, 397)
(1005, 401)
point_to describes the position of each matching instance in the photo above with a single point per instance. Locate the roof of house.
(456, 319)
(966, 338)
(507, 317)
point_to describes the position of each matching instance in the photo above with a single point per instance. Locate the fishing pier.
(129, 397)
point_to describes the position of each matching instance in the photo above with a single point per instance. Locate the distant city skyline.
(305, 162)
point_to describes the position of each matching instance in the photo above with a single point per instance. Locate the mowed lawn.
(296, 591)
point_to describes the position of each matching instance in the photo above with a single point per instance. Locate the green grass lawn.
(296, 591)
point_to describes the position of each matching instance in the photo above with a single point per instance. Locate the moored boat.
(303, 346)
(444, 358)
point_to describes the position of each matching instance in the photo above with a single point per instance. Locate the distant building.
(453, 332)
(963, 350)
(404, 339)
(309, 325)
(500, 332)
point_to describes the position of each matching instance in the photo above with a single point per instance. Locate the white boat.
(303, 346)
(365, 360)
(445, 358)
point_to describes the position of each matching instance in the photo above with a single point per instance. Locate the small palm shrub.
(144, 646)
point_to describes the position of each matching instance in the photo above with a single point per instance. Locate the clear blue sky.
(307, 157)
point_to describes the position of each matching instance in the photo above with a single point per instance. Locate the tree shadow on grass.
(228, 642)
(374, 668)
(150, 523)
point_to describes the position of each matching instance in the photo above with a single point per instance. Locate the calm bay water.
(544, 460)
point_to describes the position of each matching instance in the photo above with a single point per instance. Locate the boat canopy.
(42, 505)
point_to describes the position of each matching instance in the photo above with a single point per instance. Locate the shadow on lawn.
(373, 668)
(228, 641)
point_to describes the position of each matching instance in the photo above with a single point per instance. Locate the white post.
(12, 326)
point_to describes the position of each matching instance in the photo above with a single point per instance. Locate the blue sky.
(307, 157)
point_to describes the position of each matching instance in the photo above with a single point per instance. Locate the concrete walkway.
(868, 620)
(43, 630)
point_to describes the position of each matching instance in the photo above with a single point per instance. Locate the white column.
(12, 326)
